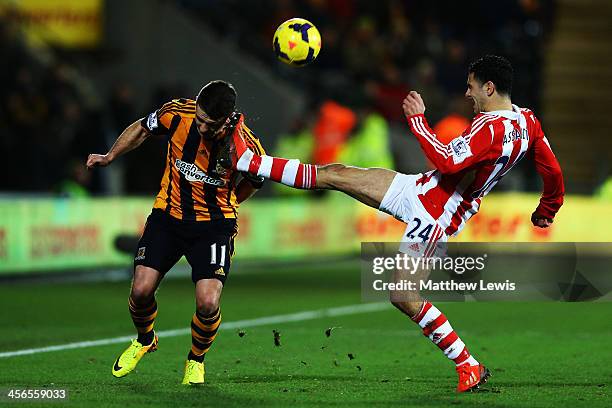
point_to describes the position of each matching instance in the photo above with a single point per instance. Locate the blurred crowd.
(50, 120)
(45, 121)
(373, 53)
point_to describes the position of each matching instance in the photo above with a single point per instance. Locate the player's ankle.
(470, 361)
(194, 357)
(146, 339)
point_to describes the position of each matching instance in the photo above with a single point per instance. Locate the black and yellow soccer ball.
(297, 42)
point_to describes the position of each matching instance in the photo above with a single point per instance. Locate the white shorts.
(423, 236)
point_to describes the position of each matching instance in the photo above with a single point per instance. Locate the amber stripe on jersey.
(187, 107)
(203, 331)
(252, 141)
(196, 192)
(143, 316)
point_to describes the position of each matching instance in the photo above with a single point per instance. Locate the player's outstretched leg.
(366, 185)
(438, 329)
(143, 309)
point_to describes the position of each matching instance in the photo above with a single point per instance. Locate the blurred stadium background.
(77, 72)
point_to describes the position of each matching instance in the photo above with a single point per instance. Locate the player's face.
(208, 128)
(475, 91)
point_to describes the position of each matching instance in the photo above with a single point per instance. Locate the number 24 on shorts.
(420, 229)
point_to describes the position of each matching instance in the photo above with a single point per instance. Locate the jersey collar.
(513, 114)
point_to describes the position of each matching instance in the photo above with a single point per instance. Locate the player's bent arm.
(244, 191)
(248, 186)
(129, 139)
(448, 158)
(549, 169)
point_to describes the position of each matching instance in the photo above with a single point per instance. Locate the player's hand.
(540, 221)
(98, 160)
(228, 155)
(413, 104)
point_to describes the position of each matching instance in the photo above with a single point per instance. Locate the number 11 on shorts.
(213, 254)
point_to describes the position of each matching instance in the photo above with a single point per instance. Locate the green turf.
(541, 354)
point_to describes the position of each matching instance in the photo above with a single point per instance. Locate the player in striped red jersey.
(437, 204)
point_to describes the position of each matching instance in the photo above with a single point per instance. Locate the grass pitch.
(541, 354)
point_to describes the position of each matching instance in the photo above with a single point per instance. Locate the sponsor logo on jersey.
(220, 272)
(152, 123)
(194, 173)
(140, 255)
(461, 149)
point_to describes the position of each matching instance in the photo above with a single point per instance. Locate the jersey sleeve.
(252, 141)
(254, 144)
(158, 122)
(460, 153)
(548, 167)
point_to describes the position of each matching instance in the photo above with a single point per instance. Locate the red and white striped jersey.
(470, 165)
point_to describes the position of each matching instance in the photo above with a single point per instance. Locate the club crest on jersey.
(220, 170)
(194, 173)
(460, 149)
(152, 123)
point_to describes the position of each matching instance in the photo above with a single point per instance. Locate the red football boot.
(471, 377)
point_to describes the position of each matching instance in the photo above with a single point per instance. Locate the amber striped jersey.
(193, 187)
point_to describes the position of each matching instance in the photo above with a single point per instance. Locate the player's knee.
(397, 304)
(207, 306)
(142, 293)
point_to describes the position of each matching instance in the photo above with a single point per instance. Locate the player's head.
(214, 103)
(489, 77)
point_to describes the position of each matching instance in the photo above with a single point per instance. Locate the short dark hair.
(495, 69)
(217, 99)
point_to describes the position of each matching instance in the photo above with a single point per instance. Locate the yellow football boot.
(194, 373)
(128, 360)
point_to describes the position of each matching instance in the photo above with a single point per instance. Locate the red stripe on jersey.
(278, 166)
(440, 194)
(457, 218)
(478, 125)
(434, 210)
(516, 149)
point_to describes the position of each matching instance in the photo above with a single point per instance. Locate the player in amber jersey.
(436, 204)
(194, 214)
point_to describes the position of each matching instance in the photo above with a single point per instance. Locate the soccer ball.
(297, 42)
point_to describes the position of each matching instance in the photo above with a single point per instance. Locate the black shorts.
(207, 245)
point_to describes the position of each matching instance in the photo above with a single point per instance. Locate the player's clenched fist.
(413, 104)
(97, 160)
(540, 221)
